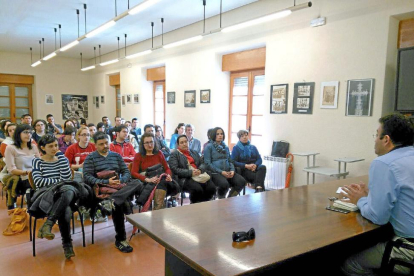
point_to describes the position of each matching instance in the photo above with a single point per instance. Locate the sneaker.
(123, 246)
(172, 202)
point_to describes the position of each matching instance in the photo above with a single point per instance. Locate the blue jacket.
(217, 162)
(255, 157)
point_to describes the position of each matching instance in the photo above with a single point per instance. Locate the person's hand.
(168, 178)
(113, 181)
(231, 174)
(225, 174)
(254, 167)
(354, 192)
(196, 172)
(152, 180)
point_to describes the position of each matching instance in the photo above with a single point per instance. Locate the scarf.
(246, 150)
(220, 148)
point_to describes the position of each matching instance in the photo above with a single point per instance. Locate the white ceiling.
(24, 22)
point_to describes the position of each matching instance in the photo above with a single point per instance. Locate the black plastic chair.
(388, 264)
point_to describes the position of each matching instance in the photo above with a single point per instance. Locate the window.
(159, 104)
(15, 100)
(246, 106)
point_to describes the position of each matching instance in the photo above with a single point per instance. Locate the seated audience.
(26, 119)
(160, 141)
(19, 158)
(9, 131)
(119, 145)
(208, 139)
(40, 130)
(104, 160)
(135, 130)
(53, 128)
(92, 131)
(77, 153)
(248, 159)
(68, 123)
(112, 132)
(186, 164)
(83, 122)
(3, 125)
(102, 128)
(67, 139)
(217, 158)
(48, 171)
(149, 156)
(193, 143)
(179, 130)
(107, 123)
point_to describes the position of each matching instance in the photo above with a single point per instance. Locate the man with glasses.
(53, 128)
(388, 197)
(192, 142)
(119, 145)
(39, 126)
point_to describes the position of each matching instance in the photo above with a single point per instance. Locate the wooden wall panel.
(406, 33)
(246, 60)
(16, 79)
(156, 74)
(115, 80)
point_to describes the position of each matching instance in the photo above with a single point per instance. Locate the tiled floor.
(101, 258)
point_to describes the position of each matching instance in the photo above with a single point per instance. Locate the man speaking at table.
(389, 196)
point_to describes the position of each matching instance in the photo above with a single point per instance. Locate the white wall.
(357, 42)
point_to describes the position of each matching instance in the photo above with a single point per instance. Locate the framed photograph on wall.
(49, 99)
(97, 102)
(205, 96)
(123, 100)
(303, 97)
(102, 99)
(171, 97)
(129, 98)
(74, 106)
(359, 97)
(278, 98)
(190, 98)
(136, 99)
(329, 94)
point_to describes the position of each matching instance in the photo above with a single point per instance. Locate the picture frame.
(329, 94)
(129, 98)
(359, 97)
(303, 97)
(49, 99)
(205, 96)
(136, 98)
(74, 106)
(279, 98)
(190, 98)
(102, 99)
(123, 100)
(97, 102)
(171, 97)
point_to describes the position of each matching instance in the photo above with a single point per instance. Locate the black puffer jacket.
(179, 165)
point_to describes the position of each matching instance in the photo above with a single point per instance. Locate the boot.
(46, 230)
(68, 250)
(159, 197)
(233, 193)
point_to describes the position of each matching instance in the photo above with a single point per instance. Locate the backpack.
(18, 222)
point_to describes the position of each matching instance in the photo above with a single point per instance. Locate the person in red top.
(148, 156)
(125, 149)
(77, 153)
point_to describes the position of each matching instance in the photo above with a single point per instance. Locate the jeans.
(257, 177)
(199, 192)
(62, 212)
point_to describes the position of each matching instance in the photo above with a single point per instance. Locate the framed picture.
(190, 98)
(102, 99)
(359, 97)
(205, 96)
(129, 98)
(74, 106)
(123, 100)
(49, 99)
(136, 99)
(329, 94)
(278, 98)
(97, 102)
(96, 99)
(171, 97)
(303, 97)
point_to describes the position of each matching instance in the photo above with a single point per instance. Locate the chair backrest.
(73, 173)
(130, 167)
(31, 181)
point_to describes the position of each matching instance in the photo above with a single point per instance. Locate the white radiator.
(276, 172)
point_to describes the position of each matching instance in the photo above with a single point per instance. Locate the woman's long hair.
(16, 137)
(179, 125)
(142, 150)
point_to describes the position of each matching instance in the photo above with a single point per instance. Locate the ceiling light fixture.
(36, 63)
(267, 18)
(140, 7)
(101, 29)
(182, 42)
(88, 68)
(139, 54)
(40, 55)
(109, 62)
(70, 45)
(49, 56)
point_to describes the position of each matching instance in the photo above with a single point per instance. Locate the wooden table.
(288, 223)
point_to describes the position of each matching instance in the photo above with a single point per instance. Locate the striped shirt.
(49, 173)
(95, 163)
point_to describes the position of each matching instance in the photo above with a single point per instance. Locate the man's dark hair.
(134, 119)
(214, 134)
(39, 120)
(99, 125)
(46, 139)
(3, 125)
(147, 126)
(69, 130)
(120, 128)
(17, 139)
(91, 124)
(99, 136)
(48, 116)
(399, 128)
(209, 131)
(142, 150)
(117, 117)
(24, 115)
(104, 118)
(181, 136)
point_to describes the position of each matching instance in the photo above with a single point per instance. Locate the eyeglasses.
(40, 125)
(85, 135)
(149, 143)
(27, 132)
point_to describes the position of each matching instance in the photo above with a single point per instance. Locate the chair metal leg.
(30, 227)
(244, 190)
(21, 204)
(83, 229)
(182, 198)
(93, 212)
(73, 223)
(34, 237)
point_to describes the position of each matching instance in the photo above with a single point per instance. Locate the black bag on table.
(280, 148)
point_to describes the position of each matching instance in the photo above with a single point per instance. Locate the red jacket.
(126, 150)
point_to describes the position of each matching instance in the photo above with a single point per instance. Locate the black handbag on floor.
(280, 148)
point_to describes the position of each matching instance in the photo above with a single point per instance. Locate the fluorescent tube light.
(49, 56)
(109, 62)
(182, 42)
(70, 45)
(36, 63)
(257, 21)
(101, 29)
(142, 6)
(139, 54)
(88, 68)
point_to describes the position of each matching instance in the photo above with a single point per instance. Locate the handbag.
(280, 148)
(155, 170)
(103, 191)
